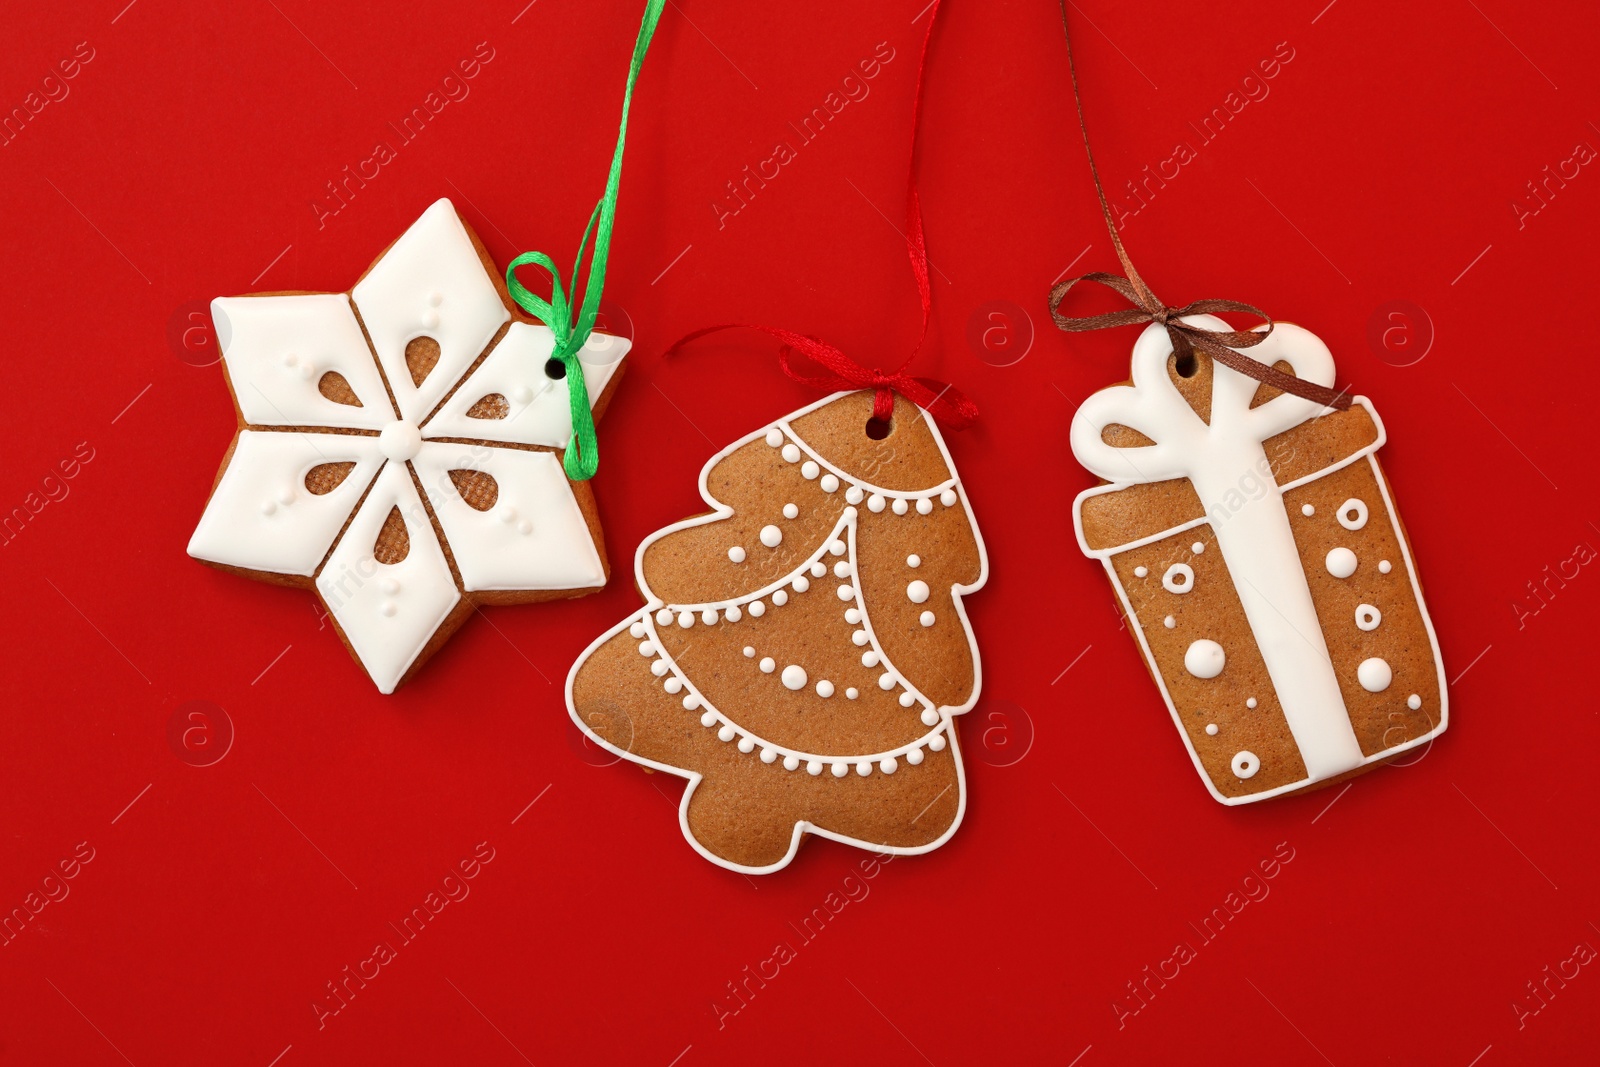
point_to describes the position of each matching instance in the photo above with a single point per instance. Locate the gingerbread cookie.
(1261, 566)
(400, 449)
(803, 651)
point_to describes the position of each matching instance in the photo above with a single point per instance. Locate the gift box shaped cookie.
(1261, 566)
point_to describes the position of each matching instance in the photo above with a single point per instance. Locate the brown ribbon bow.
(1220, 345)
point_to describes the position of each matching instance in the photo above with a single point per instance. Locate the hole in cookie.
(324, 478)
(1186, 365)
(334, 386)
(394, 542)
(878, 429)
(422, 355)
(492, 406)
(555, 369)
(477, 488)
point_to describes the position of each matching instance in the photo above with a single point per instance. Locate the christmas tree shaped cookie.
(803, 651)
(400, 449)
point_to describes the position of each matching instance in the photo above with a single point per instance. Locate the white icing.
(1169, 622)
(540, 406)
(824, 689)
(434, 256)
(1141, 572)
(917, 592)
(736, 553)
(238, 529)
(1374, 674)
(1307, 510)
(1341, 562)
(1368, 617)
(1198, 547)
(1204, 659)
(1178, 579)
(768, 665)
(1352, 514)
(774, 437)
(791, 452)
(913, 561)
(927, 618)
(771, 536)
(1211, 729)
(387, 644)
(924, 507)
(1384, 566)
(1246, 764)
(900, 506)
(277, 348)
(1413, 702)
(809, 470)
(794, 677)
(791, 511)
(555, 552)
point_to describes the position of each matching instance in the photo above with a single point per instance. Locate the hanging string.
(944, 402)
(573, 325)
(1220, 345)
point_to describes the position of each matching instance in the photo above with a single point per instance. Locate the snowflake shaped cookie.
(399, 449)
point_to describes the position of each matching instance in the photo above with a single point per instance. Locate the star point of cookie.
(399, 449)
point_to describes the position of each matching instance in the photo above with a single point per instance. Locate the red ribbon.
(944, 402)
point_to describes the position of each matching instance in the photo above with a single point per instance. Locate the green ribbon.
(583, 451)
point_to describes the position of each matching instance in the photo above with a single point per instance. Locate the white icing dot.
(690, 702)
(521, 394)
(771, 536)
(929, 716)
(852, 615)
(1352, 514)
(663, 616)
(685, 619)
(708, 719)
(525, 527)
(936, 743)
(875, 503)
(1384, 566)
(864, 768)
(948, 498)
(926, 618)
(809, 470)
(736, 553)
(869, 659)
(1307, 510)
(801, 583)
(749, 652)
(1246, 764)
(1250, 703)
(915, 756)
(791, 453)
(768, 755)
(430, 320)
(924, 507)
(286, 496)
(1204, 659)
(794, 677)
(1368, 617)
(888, 765)
(673, 685)
(841, 569)
(290, 359)
(636, 630)
(400, 441)
(837, 548)
(847, 592)
(854, 494)
(506, 514)
(900, 506)
(852, 693)
(819, 569)
(1374, 674)
(814, 768)
(774, 437)
(757, 609)
(268, 507)
(1169, 622)
(1341, 562)
(791, 511)
(727, 733)
(791, 763)
(886, 680)
(1140, 572)
(435, 298)
(1178, 579)
(906, 700)
(1211, 729)
(389, 608)
(859, 638)
(824, 689)
(840, 769)
(659, 667)
(647, 648)
(917, 592)
(1413, 702)
(768, 665)
(829, 483)
(733, 613)
(709, 616)
(307, 371)
(747, 744)
(913, 561)
(1198, 547)
(780, 598)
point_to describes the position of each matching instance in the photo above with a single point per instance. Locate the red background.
(221, 899)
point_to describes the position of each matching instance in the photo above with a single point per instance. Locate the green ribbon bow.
(583, 451)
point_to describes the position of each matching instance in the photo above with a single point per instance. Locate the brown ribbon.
(1219, 344)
